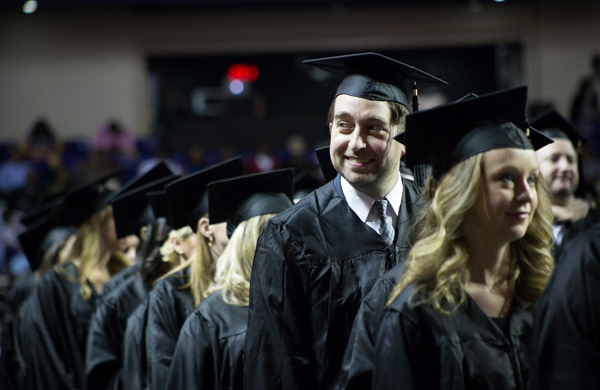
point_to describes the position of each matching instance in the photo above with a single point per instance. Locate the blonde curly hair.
(234, 266)
(438, 262)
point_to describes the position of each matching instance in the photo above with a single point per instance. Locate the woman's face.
(128, 245)
(220, 239)
(109, 233)
(508, 198)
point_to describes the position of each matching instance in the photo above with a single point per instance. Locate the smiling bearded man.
(316, 261)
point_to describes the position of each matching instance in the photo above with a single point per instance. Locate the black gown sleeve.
(107, 328)
(167, 311)
(566, 352)
(102, 353)
(135, 364)
(403, 360)
(52, 334)
(357, 368)
(277, 355)
(9, 359)
(194, 364)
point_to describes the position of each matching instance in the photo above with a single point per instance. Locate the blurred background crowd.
(43, 165)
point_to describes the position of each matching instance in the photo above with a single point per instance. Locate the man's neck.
(379, 191)
(563, 201)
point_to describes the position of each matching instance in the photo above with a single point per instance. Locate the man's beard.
(562, 193)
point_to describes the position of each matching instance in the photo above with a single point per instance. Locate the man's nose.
(563, 164)
(357, 141)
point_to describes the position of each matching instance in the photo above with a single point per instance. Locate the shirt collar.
(361, 203)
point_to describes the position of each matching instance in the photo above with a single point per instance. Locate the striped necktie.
(384, 224)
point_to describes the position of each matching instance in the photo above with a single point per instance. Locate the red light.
(247, 73)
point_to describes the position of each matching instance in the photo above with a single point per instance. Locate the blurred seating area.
(42, 165)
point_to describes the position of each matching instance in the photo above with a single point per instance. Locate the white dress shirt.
(362, 204)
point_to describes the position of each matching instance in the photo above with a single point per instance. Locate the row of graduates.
(462, 277)
(91, 318)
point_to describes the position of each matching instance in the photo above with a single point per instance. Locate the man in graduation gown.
(560, 165)
(316, 261)
(566, 337)
(357, 367)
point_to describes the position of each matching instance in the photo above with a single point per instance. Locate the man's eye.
(507, 178)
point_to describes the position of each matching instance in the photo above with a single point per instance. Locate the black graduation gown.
(169, 307)
(314, 264)
(357, 368)
(209, 352)
(566, 348)
(573, 229)
(105, 339)
(419, 347)
(20, 290)
(53, 328)
(134, 374)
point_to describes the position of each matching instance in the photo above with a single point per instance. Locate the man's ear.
(330, 127)
(204, 228)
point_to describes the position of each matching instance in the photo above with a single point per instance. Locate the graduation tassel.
(415, 98)
(415, 95)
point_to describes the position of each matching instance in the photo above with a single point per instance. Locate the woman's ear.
(205, 229)
(143, 231)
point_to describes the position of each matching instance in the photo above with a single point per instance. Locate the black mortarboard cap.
(132, 211)
(445, 135)
(305, 183)
(84, 201)
(159, 204)
(240, 198)
(38, 238)
(470, 95)
(550, 120)
(158, 171)
(31, 241)
(329, 172)
(373, 76)
(187, 197)
(42, 210)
